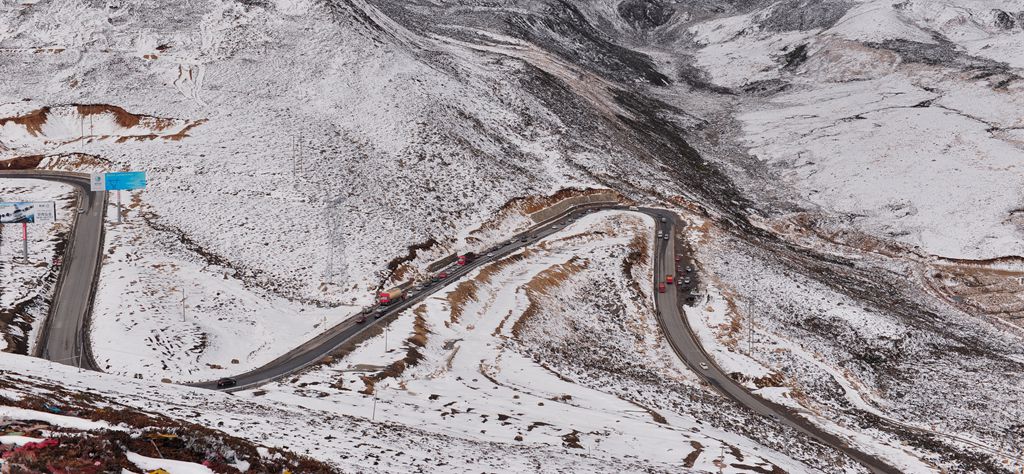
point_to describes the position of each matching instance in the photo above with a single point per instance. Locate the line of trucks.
(396, 294)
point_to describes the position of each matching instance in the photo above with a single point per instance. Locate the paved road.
(683, 340)
(63, 335)
(317, 348)
(670, 317)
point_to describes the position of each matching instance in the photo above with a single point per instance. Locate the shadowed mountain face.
(656, 82)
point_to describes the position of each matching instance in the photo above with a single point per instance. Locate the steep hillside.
(854, 167)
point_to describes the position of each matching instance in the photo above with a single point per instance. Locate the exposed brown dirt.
(541, 285)
(78, 452)
(531, 204)
(21, 163)
(122, 117)
(459, 297)
(32, 121)
(996, 290)
(691, 458)
(417, 340)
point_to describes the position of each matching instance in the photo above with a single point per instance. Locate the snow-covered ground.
(901, 134)
(267, 429)
(295, 149)
(27, 286)
(554, 346)
(189, 319)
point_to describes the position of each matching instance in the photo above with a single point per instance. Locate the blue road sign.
(123, 181)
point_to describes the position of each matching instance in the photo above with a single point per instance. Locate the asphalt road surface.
(683, 340)
(317, 348)
(63, 335)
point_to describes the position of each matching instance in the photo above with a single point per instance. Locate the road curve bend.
(684, 341)
(64, 335)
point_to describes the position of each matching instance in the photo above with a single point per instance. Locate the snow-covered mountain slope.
(260, 434)
(899, 117)
(862, 152)
(555, 346)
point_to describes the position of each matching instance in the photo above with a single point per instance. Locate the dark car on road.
(226, 382)
(361, 319)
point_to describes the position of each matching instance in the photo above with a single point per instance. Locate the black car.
(226, 382)
(361, 319)
(380, 313)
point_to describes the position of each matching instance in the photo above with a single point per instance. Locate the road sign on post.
(125, 181)
(28, 212)
(117, 181)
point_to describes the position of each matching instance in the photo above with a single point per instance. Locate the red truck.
(394, 294)
(661, 287)
(464, 259)
(668, 278)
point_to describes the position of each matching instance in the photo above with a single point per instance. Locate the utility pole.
(750, 332)
(183, 303)
(24, 239)
(373, 416)
(119, 206)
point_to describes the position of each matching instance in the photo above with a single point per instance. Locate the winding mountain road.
(64, 335)
(684, 341)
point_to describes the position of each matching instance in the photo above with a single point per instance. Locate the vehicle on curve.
(226, 382)
(390, 296)
(704, 366)
(633, 208)
(664, 219)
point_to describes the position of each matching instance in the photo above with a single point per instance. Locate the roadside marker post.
(118, 206)
(24, 238)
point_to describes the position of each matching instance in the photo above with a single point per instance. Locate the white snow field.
(911, 148)
(346, 443)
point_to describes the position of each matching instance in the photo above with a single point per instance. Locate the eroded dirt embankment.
(68, 123)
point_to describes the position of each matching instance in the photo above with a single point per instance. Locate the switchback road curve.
(63, 336)
(670, 317)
